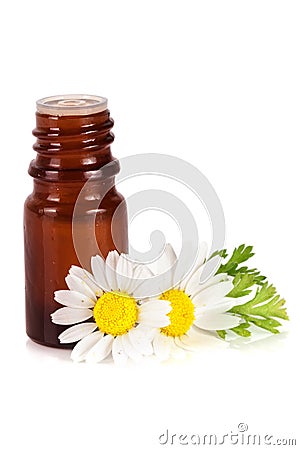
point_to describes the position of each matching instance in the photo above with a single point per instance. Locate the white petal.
(221, 306)
(201, 256)
(118, 353)
(164, 268)
(177, 352)
(162, 346)
(88, 278)
(77, 284)
(110, 269)
(198, 337)
(151, 285)
(153, 320)
(100, 350)
(112, 259)
(193, 283)
(129, 349)
(76, 332)
(148, 288)
(124, 271)
(187, 342)
(213, 293)
(165, 261)
(217, 321)
(98, 269)
(147, 331)
(82, 348)
(185, 266)
(73, 299)
(161, 306)
(197, 268)
(69, 316)
(141, 273)
(155, 285)
(194, 333)
(181, 343)
(140, 341)
(214, 280)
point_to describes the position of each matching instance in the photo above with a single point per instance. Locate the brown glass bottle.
(73, 166)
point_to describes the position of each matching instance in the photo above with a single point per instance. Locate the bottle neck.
(73, 148)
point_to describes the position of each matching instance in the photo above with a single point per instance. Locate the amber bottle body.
(71, 152)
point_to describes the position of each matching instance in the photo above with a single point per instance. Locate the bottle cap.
(71, 105)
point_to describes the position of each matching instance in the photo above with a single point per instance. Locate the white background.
(216, 83)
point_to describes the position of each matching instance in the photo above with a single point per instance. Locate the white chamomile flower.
(120, 325)
(195, 306)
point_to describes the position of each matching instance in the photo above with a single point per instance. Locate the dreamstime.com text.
(239, 437)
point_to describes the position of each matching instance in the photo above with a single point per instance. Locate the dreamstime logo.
(165, 166)
(239, 437)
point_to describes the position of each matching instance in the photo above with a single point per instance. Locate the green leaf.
(221, 253)
(267, 324)
(241, 282)
(232, 266)
(241, 329)
(221, 333)
(239, 255)
(263, 308)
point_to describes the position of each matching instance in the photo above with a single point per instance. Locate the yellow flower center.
(115, 313)
(181, 315)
